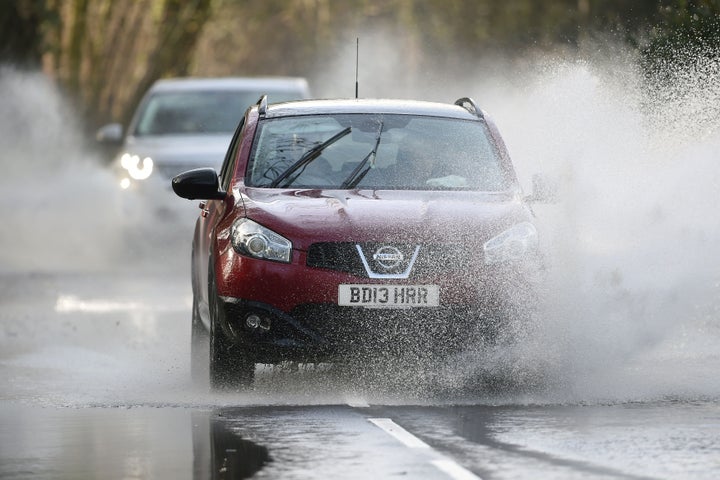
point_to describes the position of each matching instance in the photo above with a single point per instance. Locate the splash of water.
(64, 210)
(631, 308)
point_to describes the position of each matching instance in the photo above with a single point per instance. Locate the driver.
(421, 163)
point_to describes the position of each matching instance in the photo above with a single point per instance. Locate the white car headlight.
(512, 244)
(136, 169)
(254, 240)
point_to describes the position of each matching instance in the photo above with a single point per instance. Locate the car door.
(211, 213)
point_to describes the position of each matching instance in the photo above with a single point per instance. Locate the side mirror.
(544, 190)
(110, 134)
(198, 184)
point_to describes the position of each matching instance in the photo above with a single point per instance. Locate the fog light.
(252, 321)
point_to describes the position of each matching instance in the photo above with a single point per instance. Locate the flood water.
(618, 379)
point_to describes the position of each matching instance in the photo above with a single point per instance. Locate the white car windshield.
(375, 152)
(199, 111)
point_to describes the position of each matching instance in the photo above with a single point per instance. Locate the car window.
(231, 157)
(199, 112)
(378, 152)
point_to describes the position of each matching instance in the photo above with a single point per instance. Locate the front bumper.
(323, 332)
(296, 316)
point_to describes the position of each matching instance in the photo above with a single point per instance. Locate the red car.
(344, 227)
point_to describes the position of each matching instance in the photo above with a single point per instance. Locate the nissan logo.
(388, 257)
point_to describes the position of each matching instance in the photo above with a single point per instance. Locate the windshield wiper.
(307, 157)
(359, 173)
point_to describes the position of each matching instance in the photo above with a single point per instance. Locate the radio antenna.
(357, 55)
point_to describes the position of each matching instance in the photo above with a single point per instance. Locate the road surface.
(95, 370)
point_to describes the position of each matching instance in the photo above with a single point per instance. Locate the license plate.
(389, 296)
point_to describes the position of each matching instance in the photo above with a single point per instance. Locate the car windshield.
(379, 152)
(199, 111)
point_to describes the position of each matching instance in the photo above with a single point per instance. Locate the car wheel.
(199, 347)
(230, 367)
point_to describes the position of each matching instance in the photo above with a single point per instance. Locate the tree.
(21, 23)
(105, 53)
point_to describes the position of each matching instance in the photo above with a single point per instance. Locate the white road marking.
(405, 437)
(454, 470)
(445, 465)
(71, 303)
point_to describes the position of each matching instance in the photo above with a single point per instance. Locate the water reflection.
(220, 452)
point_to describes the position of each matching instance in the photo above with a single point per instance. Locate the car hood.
(173, 154)
(310, 216)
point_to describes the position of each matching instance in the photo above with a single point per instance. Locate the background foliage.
(106, 53)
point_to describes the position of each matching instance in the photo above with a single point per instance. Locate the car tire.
(199, 347)
(230, 367)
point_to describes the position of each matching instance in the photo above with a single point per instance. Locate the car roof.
(388, 106)
(265, 84)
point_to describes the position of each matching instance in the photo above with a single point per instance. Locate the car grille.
(431, 259)
(380, 329)
(342, 257)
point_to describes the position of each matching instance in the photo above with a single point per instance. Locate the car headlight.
(512, 244)
(254, 240)
(136, 169)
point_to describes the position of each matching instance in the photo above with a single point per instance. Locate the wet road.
(96, 385)
(620, 380)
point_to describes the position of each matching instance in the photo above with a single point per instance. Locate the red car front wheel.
(230, 366)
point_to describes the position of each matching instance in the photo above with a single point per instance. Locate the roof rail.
(262, 105)
(469, 104)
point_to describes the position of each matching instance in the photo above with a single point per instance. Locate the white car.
(185, 123)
